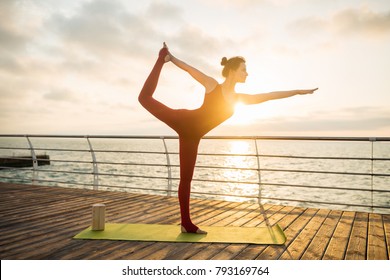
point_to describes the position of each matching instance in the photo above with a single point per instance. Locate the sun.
(250, 114)
(242, 115)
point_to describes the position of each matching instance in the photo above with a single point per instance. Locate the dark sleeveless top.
(214, 111)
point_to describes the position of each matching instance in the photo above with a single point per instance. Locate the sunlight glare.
(241, 115)
(239, 147)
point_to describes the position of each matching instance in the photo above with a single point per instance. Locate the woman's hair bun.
(224, 61)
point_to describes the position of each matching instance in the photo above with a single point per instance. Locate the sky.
(76, 67)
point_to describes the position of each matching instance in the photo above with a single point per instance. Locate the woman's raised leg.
(188, 153)
(156, 108)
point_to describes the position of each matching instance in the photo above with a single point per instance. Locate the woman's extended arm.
(208, 82)
(263, 97)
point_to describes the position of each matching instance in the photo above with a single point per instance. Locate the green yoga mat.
(171, 233)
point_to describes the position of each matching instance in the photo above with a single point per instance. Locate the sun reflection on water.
(241, 158)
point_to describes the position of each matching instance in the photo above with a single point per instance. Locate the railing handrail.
(200, 154)
(233, 137)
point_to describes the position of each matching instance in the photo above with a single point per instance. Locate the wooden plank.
(114, 250)
(178, 249)
(76, 249)
(357, 245)
(252, 213)
(171, 249)
(229, 252)
(131, 250)
(376, 238)
(251, 252)
(73, 249)
(321, 240)
(301, 242)
(271, 212)
(187, 252)
(231, 215)
(35, 239)
(338, 244)
(41, 245)
(146, 253)
(108, 252)
(273, 252)
(234, 250)
(208, 252)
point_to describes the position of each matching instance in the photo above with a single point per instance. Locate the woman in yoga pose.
(192, 125)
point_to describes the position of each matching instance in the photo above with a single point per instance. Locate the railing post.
(258, 169)
(260, 194)
(169, 170)
(95, 166)
(34, 160)
(372, 140)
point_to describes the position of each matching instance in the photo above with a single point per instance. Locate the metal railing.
(81, 167)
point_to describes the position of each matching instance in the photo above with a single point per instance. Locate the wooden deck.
(38, 222)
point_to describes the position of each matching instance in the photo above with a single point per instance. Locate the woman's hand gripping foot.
(164, 53)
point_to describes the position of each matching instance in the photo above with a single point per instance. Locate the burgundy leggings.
(188, 145)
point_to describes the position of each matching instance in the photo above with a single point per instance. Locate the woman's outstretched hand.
(307, 91)
(164, 53)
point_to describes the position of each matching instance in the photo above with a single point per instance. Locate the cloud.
(198, 48)
(308, 26)
(162, 11)
(361, 22)
(100, 28)
(353, 118)
(60, 95)
(11, 40)
(18, 24)
(107, 29)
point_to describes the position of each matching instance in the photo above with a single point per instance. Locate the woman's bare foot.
(198, 231)
(165, 51)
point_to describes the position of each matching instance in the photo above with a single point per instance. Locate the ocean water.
(226, 169)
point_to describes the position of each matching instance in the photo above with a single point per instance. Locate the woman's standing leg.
(188, 153)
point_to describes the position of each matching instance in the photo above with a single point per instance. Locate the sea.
(345, 175)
